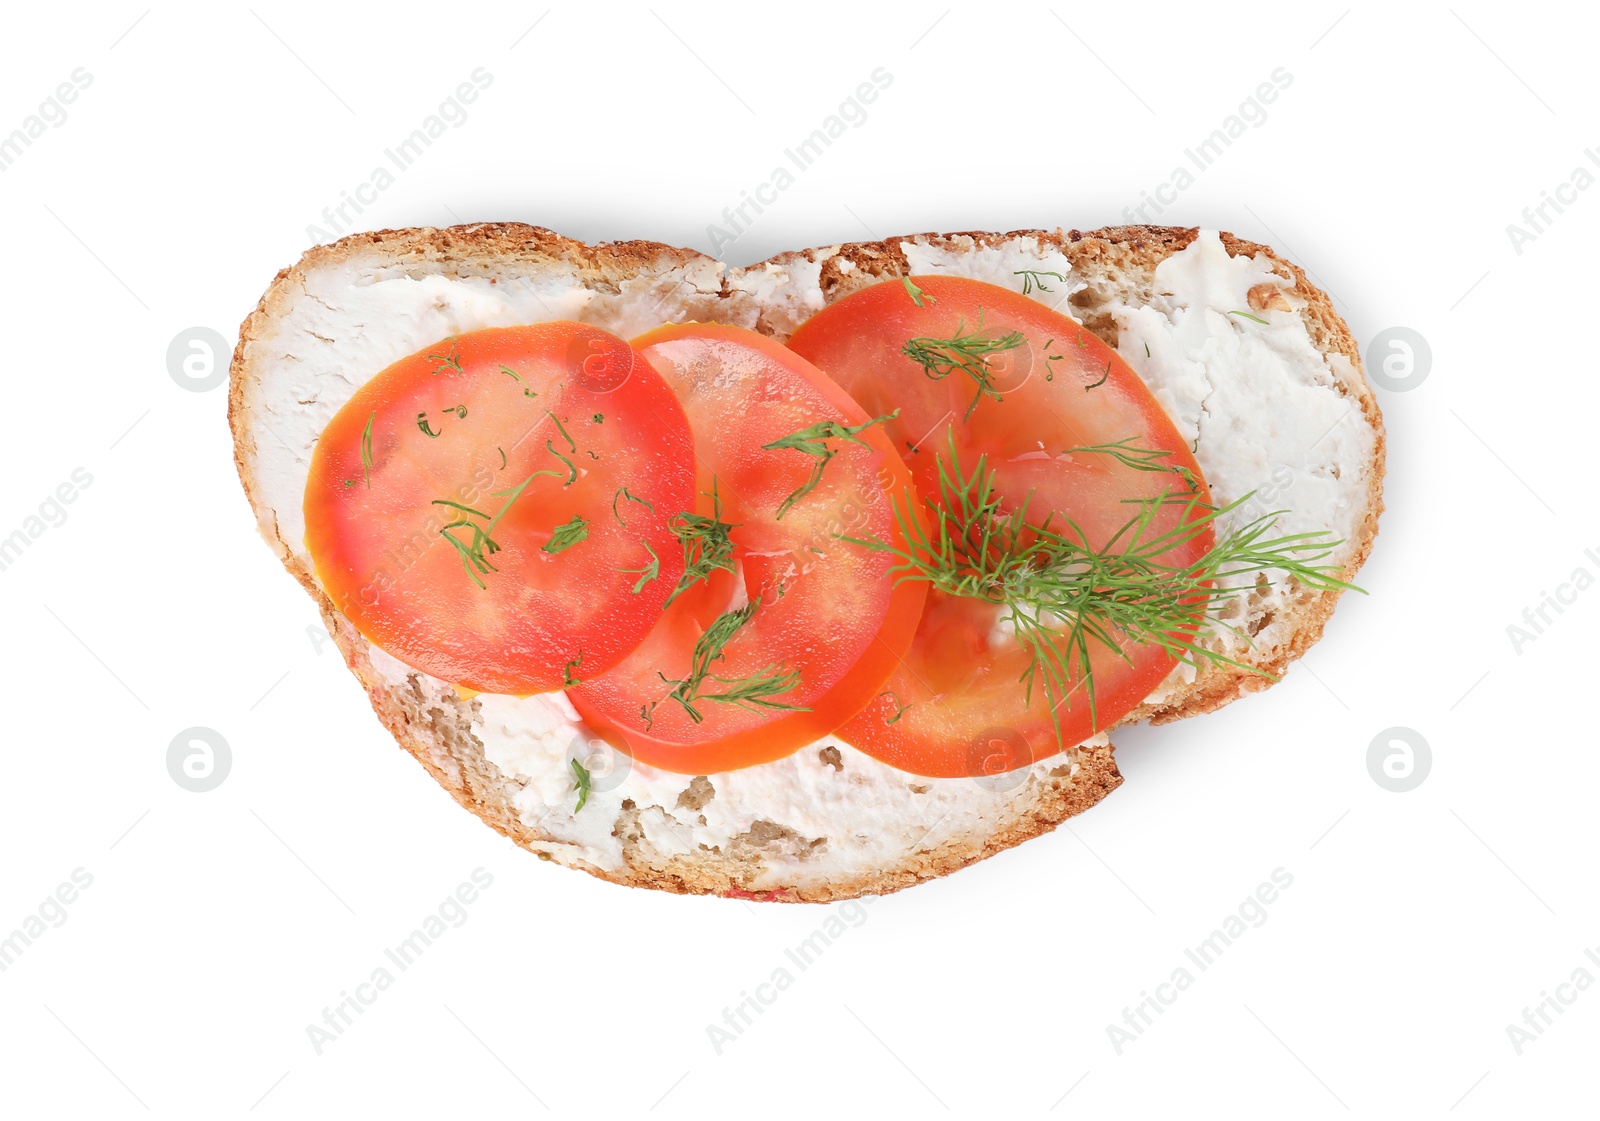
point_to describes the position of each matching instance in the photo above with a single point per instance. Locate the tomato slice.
(798, 629)
(490, 510)
(956, 705)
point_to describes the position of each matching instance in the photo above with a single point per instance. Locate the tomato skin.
(443, 438)
(840, 622)
(956, 705)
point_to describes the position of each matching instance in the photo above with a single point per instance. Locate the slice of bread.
(827, 822)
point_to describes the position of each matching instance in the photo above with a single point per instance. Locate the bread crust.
(437, 729)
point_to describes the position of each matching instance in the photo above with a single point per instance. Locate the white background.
(219, 925)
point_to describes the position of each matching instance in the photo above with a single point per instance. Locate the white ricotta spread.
(1259, 403)
(1274, 422)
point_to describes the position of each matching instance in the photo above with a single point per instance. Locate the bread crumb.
(699, 792)
(1267, 295)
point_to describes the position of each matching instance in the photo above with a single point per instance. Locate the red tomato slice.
(829, 624)
(956, 706)
(490, 511)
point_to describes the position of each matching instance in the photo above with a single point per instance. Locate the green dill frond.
(480, 545)
(900, 709)
(917, 294)
(584, 780)
(649, 572)
(566, 536)
(622, 493)
(812, 441)
(754, 693)
(366, 451)
(572, 468)
(449, 361)
(1030, 279)
(1129, 454)
(969, 353)
(569, 672)
(1064, 599)
(707, 546)
(561, 428)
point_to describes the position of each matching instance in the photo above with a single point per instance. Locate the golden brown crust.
(1097, 776)
(437, 729)
(440, 738)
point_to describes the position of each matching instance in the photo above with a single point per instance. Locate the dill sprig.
(460, 412)
(812, 441)
(509, 372)
(569, 672)
(561, 428)
(917, 294)
(1252, 318)
(753, 693)
(900, 708)
(1063, 598)
(581, 776)
(572, 468)
(564, 537)
(969, 353)
(1030, 279)
(1129, 454)
(649, 572)
(1049, 371)
(706, 544)
(475, 551)
(549, 446)
(622, 493)
(449, 361)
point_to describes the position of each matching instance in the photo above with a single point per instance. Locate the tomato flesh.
(828, 609)
(956, 705)
(516, 444)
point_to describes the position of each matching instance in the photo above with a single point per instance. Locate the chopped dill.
(917, 294)
(566, 536)
(366, 451)
(619, 496)
(649, 572)
(707, 546)
(812, 441)
(969, 353)
(753, 693)
(1030, 279)
(580, 774)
